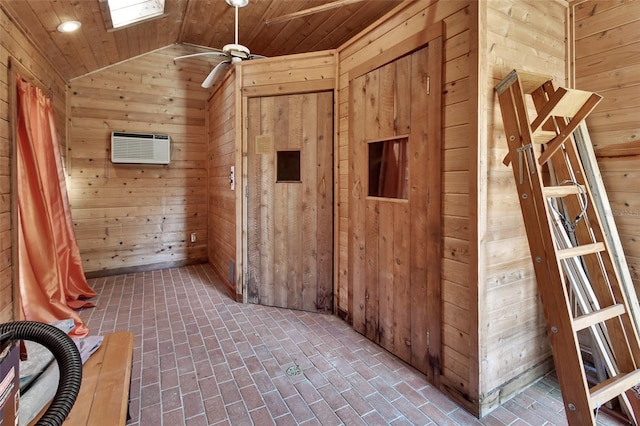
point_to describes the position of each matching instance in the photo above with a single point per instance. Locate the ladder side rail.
(604, 277)
(577, 277)
(563, 170)
(616, 261)
(601, 270)
(568, 129)
(605, 287)
(617, 284)
(587, 155)
(547, 109)
(622, 333)
(550, 281)
(584, 296)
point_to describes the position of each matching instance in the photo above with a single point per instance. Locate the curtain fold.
(51, 278)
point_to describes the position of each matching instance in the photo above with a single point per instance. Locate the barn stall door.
(290, 201)
(395, 208)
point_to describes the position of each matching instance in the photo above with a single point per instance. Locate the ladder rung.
(602, 315)
(543, 136)
(610, 388)
(562, 191)
(580, 250)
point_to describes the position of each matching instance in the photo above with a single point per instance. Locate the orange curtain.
(52, 282)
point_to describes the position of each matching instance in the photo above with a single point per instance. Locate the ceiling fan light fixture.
(236, 50)
(69, 26)
(237, 3)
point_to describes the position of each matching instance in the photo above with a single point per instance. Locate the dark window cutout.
(389, 169)
(288, 166)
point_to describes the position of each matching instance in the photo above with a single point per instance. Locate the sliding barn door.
(394, 255)
(290, 201)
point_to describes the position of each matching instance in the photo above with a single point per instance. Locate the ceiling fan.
(231, 53)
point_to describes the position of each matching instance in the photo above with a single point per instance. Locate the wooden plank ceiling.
(208, 23)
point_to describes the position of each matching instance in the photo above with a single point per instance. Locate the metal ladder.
(578, 284)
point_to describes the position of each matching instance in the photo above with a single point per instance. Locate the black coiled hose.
(66, 354)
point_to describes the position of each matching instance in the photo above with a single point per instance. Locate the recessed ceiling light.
(69, 26)
(237, 3)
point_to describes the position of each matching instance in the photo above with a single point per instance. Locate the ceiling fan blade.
(310, 11)
(193, 55)
(216, 72)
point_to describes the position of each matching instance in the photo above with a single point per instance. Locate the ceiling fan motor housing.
(236, 51)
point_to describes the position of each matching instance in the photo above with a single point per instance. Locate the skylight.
(127, 12)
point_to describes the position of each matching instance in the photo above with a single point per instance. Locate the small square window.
(288, 166)
(389, 169)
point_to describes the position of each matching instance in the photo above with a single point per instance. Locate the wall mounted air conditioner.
(145, 148)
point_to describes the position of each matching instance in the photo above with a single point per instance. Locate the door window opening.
(288, 166)
(389, 168)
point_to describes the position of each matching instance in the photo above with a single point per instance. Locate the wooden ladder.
(577, 282)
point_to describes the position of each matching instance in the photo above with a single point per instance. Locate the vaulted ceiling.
(208, 23)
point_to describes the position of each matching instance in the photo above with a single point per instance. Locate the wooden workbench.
(106, 377)
(104, 393)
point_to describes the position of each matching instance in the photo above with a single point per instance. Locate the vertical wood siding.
(607, 42)
(135, 215)
(16, 48)
(458, 287)
(222, 200)
(527, 35)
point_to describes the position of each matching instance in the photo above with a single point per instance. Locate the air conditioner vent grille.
(144, 148)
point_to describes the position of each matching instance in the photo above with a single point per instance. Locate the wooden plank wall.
(459, 353)
(222, 208)
(304, 72)
(607, 42)
(528, 35)
(133, 217)
(15, 48)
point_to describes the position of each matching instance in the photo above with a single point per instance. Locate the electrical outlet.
(193, 237)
